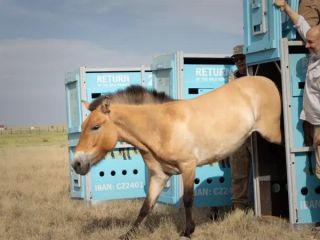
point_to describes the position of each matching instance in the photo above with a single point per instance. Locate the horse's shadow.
(107, 223)
(176, 217)
(154, 221)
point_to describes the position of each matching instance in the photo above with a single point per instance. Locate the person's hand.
(280, 4)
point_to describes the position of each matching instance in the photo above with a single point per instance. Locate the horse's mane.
(134, 94)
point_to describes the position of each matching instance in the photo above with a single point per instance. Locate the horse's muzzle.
(81, 164)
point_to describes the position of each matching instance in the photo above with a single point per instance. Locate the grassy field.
(35, 203)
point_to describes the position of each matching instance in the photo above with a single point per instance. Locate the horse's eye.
(95, 127)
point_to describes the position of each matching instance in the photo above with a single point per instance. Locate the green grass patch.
(33, 139)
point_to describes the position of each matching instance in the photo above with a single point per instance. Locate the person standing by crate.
(240, 160)
(310, 113)
(310, 10)
(239, 60)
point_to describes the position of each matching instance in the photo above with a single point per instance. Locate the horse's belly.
(207, 156)
(207, 161)
(170, 170)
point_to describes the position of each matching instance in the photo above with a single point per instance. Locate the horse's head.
(98, 136)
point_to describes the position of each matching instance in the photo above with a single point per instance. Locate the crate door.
(262, 28)
(164, 74)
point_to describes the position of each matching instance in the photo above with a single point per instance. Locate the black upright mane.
(134, 94)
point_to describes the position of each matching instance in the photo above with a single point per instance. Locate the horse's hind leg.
(156, 184)
(269, 128)
(188, 175)
(269, 117)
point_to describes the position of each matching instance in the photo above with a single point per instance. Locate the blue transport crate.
(303, 185)
(264, 26)
(185, 76)
(122, 174)
(269, 42)
(287, 180)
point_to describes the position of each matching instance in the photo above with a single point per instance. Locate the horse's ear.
(105, 106)
(85, 104)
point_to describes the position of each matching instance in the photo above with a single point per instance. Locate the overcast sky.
(41, 40)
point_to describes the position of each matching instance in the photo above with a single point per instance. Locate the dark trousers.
(240, 171)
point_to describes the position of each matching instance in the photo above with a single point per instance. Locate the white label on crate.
(103, 187)
(211, 192)
(113, 80)
(212, 72)
(312, 204)
(129, 185)
(118, 186)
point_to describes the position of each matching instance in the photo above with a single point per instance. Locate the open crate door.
(164, 73)
(262, 30)
(264, 26)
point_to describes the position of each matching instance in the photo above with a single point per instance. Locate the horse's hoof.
(184, 238)
(124, 237)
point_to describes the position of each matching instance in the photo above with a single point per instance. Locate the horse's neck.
(131, 122)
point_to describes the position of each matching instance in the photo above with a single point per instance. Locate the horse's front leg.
(188, 175)
(156, 184)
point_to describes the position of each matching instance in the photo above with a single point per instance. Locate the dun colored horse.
(174, 137)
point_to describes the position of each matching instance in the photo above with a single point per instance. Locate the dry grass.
(35, 204)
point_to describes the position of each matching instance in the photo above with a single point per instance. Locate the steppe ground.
(35, 203)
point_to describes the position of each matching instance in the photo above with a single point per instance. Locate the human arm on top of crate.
(284, 6)
(300, 23)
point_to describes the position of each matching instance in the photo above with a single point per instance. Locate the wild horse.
(174, 137)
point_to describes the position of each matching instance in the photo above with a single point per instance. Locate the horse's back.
(252, 101)
(257, 84)
(250, 92)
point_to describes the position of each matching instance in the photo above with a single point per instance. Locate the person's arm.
(299, 22)
(284, 6)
